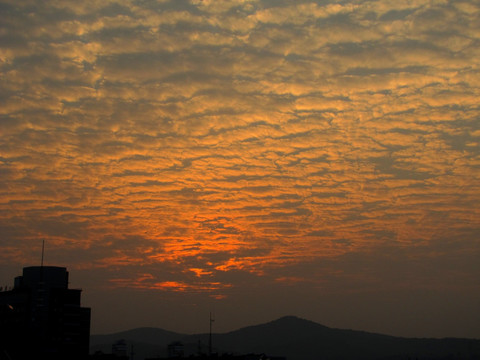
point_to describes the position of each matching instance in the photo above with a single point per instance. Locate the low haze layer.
(254, 158)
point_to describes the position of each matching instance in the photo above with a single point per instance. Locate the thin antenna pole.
(43, 251)
(210, 336)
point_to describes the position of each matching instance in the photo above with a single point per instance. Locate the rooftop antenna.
(43, 251)
(41, 263)
(210, 336)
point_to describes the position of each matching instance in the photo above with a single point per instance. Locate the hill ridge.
(297, 339)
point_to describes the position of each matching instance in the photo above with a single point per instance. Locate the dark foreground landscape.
(294, 339)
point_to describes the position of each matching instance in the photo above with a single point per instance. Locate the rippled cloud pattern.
(187, 146)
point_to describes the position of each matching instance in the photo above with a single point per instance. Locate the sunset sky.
(253, 158)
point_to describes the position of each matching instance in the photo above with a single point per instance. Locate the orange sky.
(181, 156)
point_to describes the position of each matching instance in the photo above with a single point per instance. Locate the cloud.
(241, 136)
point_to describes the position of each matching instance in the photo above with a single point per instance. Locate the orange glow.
(200, 272)
(243, 145)
(147, 284)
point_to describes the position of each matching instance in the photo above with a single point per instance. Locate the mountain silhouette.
(296, 339)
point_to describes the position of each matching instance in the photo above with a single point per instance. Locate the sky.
(249, 158)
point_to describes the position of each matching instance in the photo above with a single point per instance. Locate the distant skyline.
(250, 158)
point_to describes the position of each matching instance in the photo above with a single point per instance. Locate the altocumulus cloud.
(212, 137)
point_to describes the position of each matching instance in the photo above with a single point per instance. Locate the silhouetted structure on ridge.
(175, 349)
(41, 318)
(119, 348)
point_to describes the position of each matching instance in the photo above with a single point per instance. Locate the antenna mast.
(43, 251)
(210, 336)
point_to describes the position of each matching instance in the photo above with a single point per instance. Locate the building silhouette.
(175, 349)
(41, 318)
(119, 348)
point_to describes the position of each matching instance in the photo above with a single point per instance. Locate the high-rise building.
(41, 318)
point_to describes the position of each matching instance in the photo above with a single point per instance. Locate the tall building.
(41, 318)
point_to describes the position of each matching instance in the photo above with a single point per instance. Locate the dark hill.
(299, 339)
(147, 342)
(147, 334)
